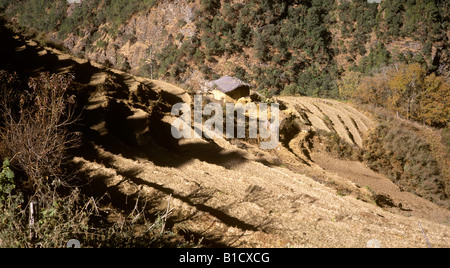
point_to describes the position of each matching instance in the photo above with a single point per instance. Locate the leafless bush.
(35, 131)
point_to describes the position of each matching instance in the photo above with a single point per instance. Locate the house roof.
(227, 84)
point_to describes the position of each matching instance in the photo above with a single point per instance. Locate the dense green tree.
(261, 47)
(378, 57)
(210, 7)
(242, 34)
(291, 45)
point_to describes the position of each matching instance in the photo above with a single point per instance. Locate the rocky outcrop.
(139, 40)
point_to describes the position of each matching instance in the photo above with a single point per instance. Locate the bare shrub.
(35, 133)
(397, 149)
(337, 147)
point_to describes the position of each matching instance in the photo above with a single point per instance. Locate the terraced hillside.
(229, 192)
(331, 115)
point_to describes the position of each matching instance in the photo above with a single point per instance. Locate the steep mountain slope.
(333, 135)
(228, 192)
(295, 47)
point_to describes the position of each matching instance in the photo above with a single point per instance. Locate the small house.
(229, 89)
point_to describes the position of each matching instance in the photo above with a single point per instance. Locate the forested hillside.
(280, 47)
(86, 129)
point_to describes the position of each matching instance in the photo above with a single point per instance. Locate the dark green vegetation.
(51, 15)
(291, 47)
(407, 156)
(323, 48)
(91, 14)
(290, 44)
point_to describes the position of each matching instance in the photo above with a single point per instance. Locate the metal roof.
(227, 84)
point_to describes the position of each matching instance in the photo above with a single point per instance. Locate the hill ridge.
(228, 192)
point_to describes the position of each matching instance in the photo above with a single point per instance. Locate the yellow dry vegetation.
(404, 89)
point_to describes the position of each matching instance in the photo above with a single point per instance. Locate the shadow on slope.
(129, 124)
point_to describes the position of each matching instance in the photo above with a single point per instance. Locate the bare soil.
(229, 193)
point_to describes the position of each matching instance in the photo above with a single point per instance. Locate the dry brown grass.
(409, 155)
(35, 133)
